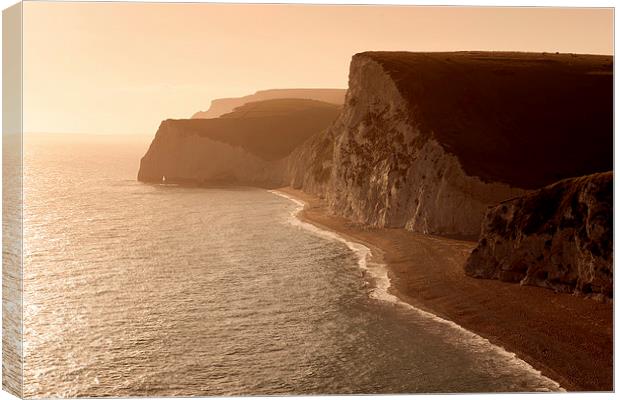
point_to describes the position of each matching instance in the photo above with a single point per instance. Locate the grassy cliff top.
(526, 119)
(222, 106)
(270, 129)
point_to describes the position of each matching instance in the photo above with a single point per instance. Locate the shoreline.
(382, 290)
(566, 338)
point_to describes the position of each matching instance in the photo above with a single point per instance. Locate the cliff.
(427, 141)
(222, 106)
(243, 147)
(424, 141)
(560, 237)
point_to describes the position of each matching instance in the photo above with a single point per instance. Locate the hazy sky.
(123, 67)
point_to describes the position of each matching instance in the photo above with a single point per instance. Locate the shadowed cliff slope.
(222, 106)
(243, 146)
(427, 141)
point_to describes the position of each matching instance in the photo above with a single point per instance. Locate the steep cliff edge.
(424, 141)
(427, 141)
(222, 106)
(560, 237)
(243, 147)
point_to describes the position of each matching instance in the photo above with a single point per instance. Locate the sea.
(134, 289)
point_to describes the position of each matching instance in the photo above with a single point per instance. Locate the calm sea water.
(134, 289)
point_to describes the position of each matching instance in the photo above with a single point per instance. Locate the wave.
(378, 272)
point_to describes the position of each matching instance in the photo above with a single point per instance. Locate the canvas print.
(295, 199)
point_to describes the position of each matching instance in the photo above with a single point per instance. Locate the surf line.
(379, 274)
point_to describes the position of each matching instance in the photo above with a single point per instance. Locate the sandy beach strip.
(568, 338)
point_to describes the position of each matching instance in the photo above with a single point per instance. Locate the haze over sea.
(133, 289)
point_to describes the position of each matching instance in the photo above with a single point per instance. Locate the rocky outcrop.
(427, 141)
(560, 237)
(222, 106)
(245, 147)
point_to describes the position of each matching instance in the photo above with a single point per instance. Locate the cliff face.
(384, 171)
(424, 141)
(560, 237)
(194, 159)
(222, 106)
(429, 141)
(243, 147)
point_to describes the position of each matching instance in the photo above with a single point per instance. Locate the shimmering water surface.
(134, 289)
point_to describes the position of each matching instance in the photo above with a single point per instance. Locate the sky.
(122, 68)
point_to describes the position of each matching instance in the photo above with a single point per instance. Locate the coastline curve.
(378, 273)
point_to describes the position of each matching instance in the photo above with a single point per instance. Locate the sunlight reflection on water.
(135, 290)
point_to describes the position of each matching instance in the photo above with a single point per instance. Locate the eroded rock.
(559, 237)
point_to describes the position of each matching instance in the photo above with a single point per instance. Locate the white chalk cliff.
(403, 153)
(245, 147)
(424, 141)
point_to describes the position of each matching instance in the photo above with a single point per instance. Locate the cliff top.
(275, 107)
(526, 119)
(270, 129)
(222, 106)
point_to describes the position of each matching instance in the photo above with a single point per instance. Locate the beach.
(568, 338)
